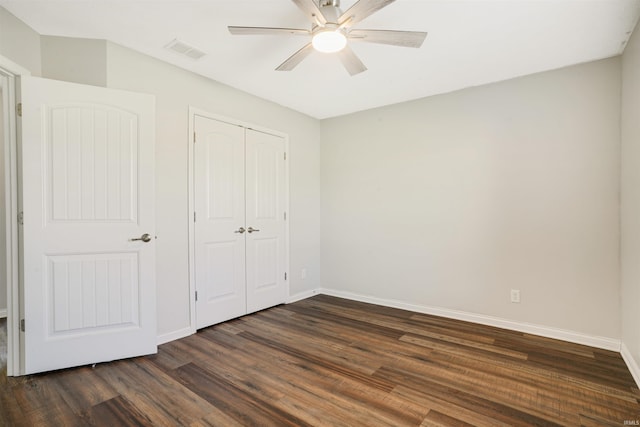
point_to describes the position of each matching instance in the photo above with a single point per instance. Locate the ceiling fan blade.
(395, 38)
(311, 10)
(293, 61)
(267, 31)
(360, 10)
(350, 61)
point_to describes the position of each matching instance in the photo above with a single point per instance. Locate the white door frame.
(193, 112)
(8, 73)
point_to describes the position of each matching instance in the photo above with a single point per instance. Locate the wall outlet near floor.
(303, 273)
(515, 296)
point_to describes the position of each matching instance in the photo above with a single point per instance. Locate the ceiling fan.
(331, 29)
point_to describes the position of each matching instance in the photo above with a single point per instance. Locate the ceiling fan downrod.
(333, 3)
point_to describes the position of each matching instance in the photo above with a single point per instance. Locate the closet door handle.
(146, 237)
(251, 230)
(240, 230)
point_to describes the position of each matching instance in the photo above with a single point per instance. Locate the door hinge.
(194, 217)
(285, 216)
(285, 276)
(22, 325)
(19, 109)
(196, 295)
(21, 218)
(194, 137)
(285, 155)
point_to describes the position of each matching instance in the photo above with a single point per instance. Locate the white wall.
(74, 60)
(175, 90)
(453, 200)
(631, 196)
(19, 42)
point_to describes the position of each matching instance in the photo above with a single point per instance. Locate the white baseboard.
(544, 331)
(631, 363)
(3, 313)
(302, 295)
(175, 335)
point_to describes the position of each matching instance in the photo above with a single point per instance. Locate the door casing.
(193, 112)
(9, 71)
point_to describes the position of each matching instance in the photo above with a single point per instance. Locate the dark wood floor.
(331, 362)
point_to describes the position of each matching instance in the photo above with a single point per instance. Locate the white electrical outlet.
(303, 273)
(515, 295)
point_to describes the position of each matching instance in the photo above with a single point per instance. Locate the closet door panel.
(219, 220)
(265, 208)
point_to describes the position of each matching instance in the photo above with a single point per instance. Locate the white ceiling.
(469, 43)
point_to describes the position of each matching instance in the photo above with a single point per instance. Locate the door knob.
(145, 238)
(251, 230)
(240, 230)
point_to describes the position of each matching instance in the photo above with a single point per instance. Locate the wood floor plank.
(82, 388)
(217, 418)
(367, 342)
(154, 393)
(594, 421)
(338, 350)
(227, 397)
(346, 392)
(170, 359)
(483, 405)
(41, 404)
(437, 419)
(448, 408)
(316, 389)
(302, 398)
(10, 411)
(552, 346)
(597, 373)
(326, 361)
(117, 412)
(329, 364)
(346, 303)
(536, 397)
(551, 390)
(362, 325)
(406, 325)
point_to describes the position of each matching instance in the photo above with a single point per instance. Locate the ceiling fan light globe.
(329, 41)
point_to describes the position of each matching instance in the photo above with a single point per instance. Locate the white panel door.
(87, 169)
(265, 209)
(219, 222)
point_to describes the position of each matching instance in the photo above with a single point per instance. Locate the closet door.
(265, 210)
(219, 221)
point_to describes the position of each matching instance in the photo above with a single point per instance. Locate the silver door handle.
(240, 230)
(145, 238)
(251, 230)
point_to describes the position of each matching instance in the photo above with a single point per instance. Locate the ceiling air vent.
(185, 49)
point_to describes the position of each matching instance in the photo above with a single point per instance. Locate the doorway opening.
(3, 220)
(9, 277)
(3, 245)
